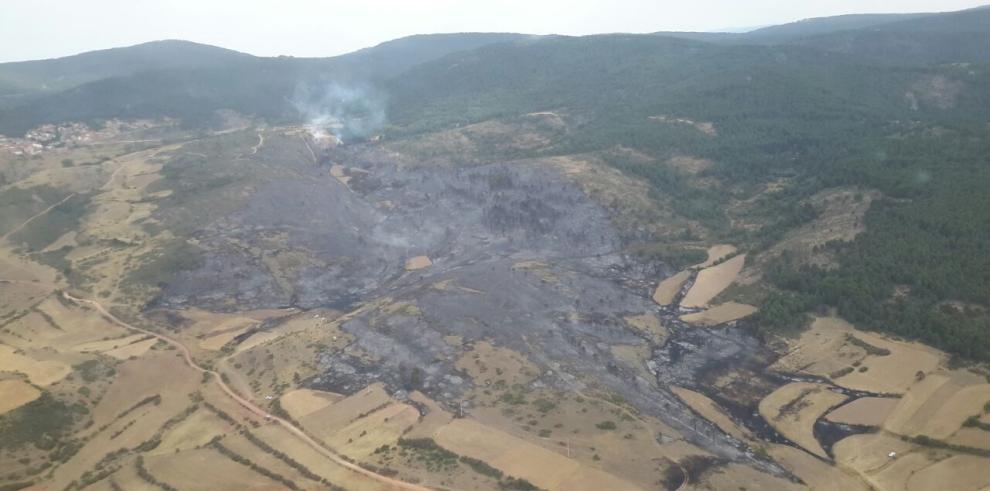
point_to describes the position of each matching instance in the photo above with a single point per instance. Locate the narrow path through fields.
(33, 218)
(250, 406)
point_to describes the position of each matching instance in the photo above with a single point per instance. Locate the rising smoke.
(344, 112)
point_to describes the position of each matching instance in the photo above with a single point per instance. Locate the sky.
(35, 29)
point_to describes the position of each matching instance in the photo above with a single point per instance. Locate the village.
(68, 135)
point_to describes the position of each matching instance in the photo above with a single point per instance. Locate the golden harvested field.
(517, 457)
(54, 326)
(108, 344)
(323, 423)
(567, 424)
(865, 411)
(130, 414)
(650, 325)
(16, 393)
(793, 409)
(715, 253)
(960, 472)
(971, 437)
(361, 437)
(133, 350)
(241, 445)
(711, 281)
(711, 411)
(339, 173)
(279, 438)
(668, 289)
(817, 474)
(912, 468)
(938, 405)
(78, 324)
(726, 312)
(25, 272)
(434, 418)
(858, 359)
(302, 402)
(132, 384)
(740, 476)
(20, 296)
(196, 430)
(417, 263)
(217, 341)
(318, 324)
(206, 469)
(41, 372)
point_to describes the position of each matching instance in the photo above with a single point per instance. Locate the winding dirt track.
(29, 220)
(250, 406)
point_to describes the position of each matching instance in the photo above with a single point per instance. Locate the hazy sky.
(32, 29)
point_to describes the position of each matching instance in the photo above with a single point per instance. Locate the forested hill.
(191, 81)
(915, 131)
(62, 73)
(901, 39)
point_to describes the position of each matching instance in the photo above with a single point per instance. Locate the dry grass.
(195, 431)
(833, 347)
(720, 314)
(517, 457)
(325, 422)
(960, 472)
(417, 263)
(649, 325)
(867, 455)
(486, 364)
(938, 405)
(132, 350)
(818, 475)
(434, 418)
(739, 477)
(40, 372)
(841, 218)
(361, 437)
(16, 393)
(206, 469)
(711, 411)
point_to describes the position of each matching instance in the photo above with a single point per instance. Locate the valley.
(675, 261)
(299, 341)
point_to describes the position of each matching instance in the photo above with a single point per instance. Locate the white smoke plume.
(345, 112)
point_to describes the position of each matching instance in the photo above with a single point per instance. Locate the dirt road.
(33, 218)
(250, 406)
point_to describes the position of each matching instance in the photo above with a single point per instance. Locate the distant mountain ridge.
(61, 73)
(191, 81)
